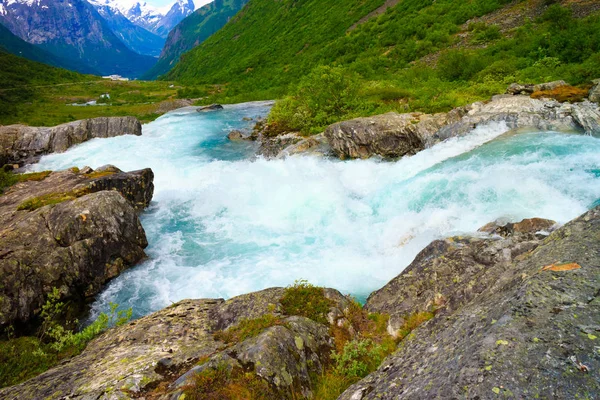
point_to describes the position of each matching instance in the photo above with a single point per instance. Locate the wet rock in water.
(504, 320)
(70, 231)
(212, 107)
(270, 147)
(316, 145)
(530, 226)
(25, 144)
(236, 135)
(390, 135)
(169, 105)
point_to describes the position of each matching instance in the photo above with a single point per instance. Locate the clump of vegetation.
(99, 174)
(484, 33)
(8, 178)
(413, 321)
(358, 358)
(223, 383)
(564, 93)
(306, 300)
(25, 357)
(325, 96)
(48, 199)
(248, 328)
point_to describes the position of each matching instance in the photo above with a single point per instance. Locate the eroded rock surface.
(88, 233)
(156, 356)
(516, 317)
(20, 144)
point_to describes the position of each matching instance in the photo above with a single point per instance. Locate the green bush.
(326, 95)
(359, 358)
(25, 357)
(459, 65)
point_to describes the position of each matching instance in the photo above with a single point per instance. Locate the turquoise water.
(223, 223)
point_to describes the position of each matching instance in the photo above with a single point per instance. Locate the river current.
(223, 222)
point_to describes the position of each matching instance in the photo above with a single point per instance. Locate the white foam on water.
(222, 224)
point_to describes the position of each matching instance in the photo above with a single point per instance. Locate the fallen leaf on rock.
(561, 267)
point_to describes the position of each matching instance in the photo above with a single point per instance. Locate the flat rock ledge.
(20, 144)
(516, 315)
(74, 231)
(394, 135)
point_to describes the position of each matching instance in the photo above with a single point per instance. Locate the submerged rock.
(511, 320)
(236, 135)
(21, 144)
(212, 107)
(69, 231)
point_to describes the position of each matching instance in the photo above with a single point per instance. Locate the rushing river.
(223, 223)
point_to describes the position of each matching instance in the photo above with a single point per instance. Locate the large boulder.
(159, 355)
(70, 231)
(515, 317)
(390, 135)
(20, 144)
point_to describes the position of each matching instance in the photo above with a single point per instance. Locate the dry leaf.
(561, 267)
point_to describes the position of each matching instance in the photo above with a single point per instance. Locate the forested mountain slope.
(417, 55)
(194, 30)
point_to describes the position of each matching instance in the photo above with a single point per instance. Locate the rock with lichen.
(160, 355)
(71, 231)
(516, 316)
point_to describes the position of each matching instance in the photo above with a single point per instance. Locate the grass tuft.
(248, 328)
(306, 300)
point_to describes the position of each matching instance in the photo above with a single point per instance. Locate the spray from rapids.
(223, 223)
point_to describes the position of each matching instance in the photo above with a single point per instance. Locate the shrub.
(459, 65)
(326, 95)
(25, 357)
(306, 300)
(358, 358)
(7, 179)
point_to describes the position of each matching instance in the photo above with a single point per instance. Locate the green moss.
(48, 199)
(247, 328)
(100, 174)
(24, 358)
(306, 300)
(33, 176)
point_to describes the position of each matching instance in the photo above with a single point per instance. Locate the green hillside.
(192, 31)
(418, 55)
(19, 79)
(270, 43)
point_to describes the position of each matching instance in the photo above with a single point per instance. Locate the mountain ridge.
(73, 29)
(193, 30)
